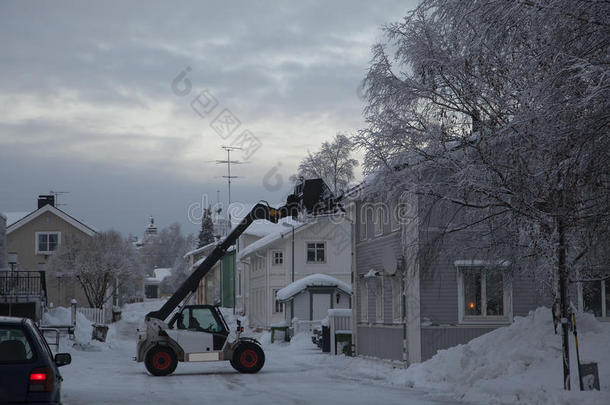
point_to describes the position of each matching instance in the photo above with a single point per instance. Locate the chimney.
(46, 200)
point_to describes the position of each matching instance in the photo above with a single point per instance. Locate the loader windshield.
(201, 319)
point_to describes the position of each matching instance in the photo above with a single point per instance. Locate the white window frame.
(47, 252)
(273, 258)
(461, 267)
(276, 303)
(316, 250)
(603, 292)
(379, 318)
(379, 220)
(363, 226)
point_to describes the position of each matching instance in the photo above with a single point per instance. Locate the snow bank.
(517, 364)
(61, 316)
(314, 280)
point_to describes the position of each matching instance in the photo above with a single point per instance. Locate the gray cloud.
(87, 85)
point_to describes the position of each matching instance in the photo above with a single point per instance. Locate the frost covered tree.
(501, 107)
(333, 163)
(101, 264)
(206, 235)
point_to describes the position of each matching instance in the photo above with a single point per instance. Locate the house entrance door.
(320, 304)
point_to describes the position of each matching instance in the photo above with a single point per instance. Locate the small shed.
(310, 298)
(152, 284)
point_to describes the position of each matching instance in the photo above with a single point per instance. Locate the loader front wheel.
(161, 360)
(248, 358)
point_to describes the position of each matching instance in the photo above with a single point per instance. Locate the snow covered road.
(296, 373)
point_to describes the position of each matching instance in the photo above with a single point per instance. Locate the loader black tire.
(161, 360)
(248, 358)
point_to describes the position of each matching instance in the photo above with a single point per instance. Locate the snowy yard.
(296, 373)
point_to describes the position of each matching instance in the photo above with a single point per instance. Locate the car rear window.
(15, 345)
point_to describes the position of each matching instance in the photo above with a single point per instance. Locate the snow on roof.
(12, 217)
(314, 280)
(279, 232)
(198, 262)
(199, 250)
(161, 273)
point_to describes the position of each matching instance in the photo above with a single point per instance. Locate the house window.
(279, 306)
(277, 257)
(379, 296)
(363, 227)
(596, 297)
(484, 294)
(316, 252)
(47, 242)
(379, 216)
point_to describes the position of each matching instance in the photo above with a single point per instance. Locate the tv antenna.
(56, 194)
(230, 149)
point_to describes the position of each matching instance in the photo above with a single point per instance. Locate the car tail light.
(41, 380)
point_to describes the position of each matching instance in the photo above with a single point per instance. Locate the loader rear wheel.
(161, 360)
(248, 358)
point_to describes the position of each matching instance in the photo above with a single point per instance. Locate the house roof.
(12, 217)
(279, 232)
(18, 223)
(314, 280)
(199, 250)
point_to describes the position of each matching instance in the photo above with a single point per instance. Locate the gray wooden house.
(418, 290)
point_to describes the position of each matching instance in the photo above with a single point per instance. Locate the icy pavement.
(296, 373)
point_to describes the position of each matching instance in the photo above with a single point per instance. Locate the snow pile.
(314, 280)
(517, 364)
(61, 316)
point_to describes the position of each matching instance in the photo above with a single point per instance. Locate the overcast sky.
(92, 101)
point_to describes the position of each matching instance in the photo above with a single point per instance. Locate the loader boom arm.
(260, 211)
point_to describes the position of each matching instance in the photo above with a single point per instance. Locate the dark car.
(28, 371)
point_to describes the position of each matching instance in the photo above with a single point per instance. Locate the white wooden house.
(290, 251)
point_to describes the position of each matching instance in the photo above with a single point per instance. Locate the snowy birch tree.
(507, 103)
(101, 264)
(333, 163)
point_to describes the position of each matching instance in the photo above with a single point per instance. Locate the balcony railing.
(22, 283)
